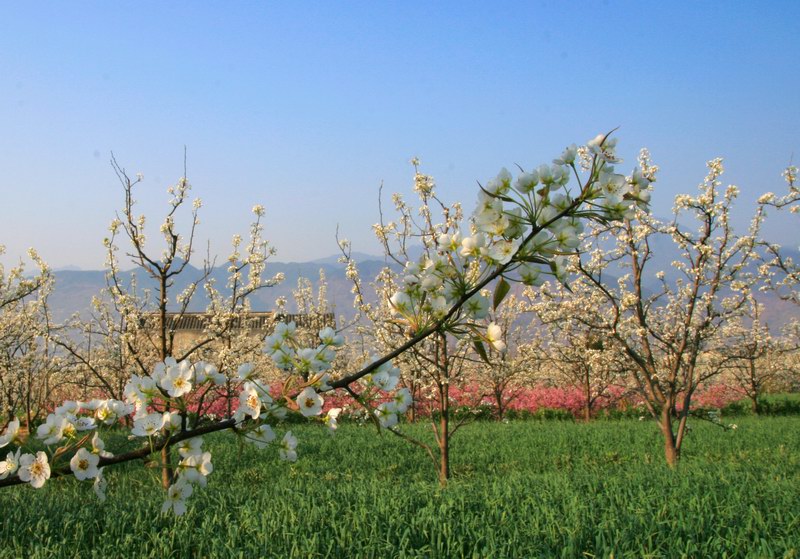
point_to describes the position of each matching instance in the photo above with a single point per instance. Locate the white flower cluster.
(169, 379)
(63, 428)
(157, 404)
(313, 364)
(528, 225)
(194, 467)
(282, 347)
(378, 386)
(433, 286)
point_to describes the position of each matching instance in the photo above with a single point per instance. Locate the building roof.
(254, 321)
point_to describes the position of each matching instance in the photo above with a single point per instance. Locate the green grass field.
(524, 489)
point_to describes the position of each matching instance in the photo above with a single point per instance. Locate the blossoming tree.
(754, 360)
(573, 351)
(30, 370)
(517, 364)
(430, 369)
(664, 331)
(780, 271)
(520, 231)
(521, 226)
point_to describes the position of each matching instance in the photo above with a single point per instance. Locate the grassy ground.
(524, 489)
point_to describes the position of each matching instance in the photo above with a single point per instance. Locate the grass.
(524, 489)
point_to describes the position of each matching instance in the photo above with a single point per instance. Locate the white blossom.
(288, 446)
(10, 464)
(176, 497)
(34, 469)
(309, 402)
(84, 464)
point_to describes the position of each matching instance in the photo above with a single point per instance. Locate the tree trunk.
(229, 398)
(671, 453)
(444, 437)
(29, 409)
(498, 398)
(412, 410)
(755, 389)
(166, 468)
(166, 462)
(587, 392)
(162, 316)
(444, 407)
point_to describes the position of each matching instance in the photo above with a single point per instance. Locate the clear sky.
(306, 107)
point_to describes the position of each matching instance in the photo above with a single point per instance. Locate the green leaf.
(500, 292)
(480, 349)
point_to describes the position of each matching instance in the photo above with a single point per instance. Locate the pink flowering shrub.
(526, 401)
(533, 400)
(716, 396)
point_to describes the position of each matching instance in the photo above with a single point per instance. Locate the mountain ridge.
(74, 289)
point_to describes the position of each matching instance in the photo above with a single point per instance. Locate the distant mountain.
(777, 312)
(414, 253)
(74, 289)
(357, 256)
(73, 292)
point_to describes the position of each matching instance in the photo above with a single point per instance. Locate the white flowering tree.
(780, 271)
(754, 360)
(15, 285)
(312, 308)
(520, 231)
(573, 351)
(29, 368)
(125, 336)
(506, 372)
(96, 349)
(429, 370)
(521, 227)
(228, 340)
(665, 330)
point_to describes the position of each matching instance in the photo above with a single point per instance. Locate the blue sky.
(307, 107)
